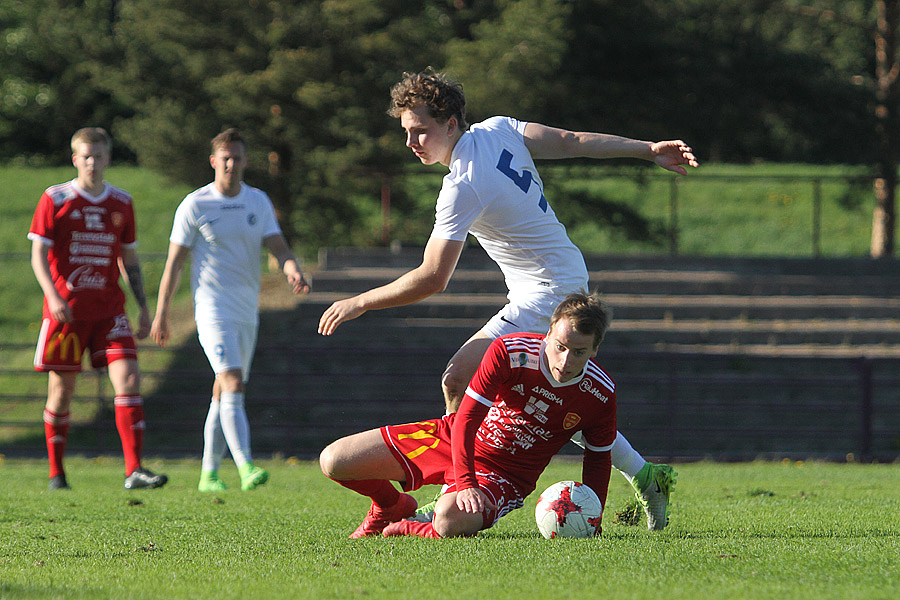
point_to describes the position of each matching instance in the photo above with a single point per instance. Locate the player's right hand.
(337, 313)
(473, 501)
(159, 331)
(59, 309)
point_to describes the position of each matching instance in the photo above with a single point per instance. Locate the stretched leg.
(461, 368)
(60, 389)
(652, 483)
(129, 406)
(214, 447)
(363, 463)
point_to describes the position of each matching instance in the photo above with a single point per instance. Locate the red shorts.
(61, 345)
(423, 450)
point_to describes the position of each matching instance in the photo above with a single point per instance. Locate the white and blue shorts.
(228, 345)
(526, 312)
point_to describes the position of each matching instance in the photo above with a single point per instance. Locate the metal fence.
(671, 406)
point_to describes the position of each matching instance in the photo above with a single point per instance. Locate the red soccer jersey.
(86, 236)
(515, 417)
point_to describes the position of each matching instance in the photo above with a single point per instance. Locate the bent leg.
(363, 463)
(461, 369)
(450, 521)
(360, 456)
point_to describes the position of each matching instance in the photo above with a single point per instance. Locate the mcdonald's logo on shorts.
(424, 434)
(65, 347)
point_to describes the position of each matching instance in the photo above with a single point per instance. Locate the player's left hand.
(143, 324)
(337, 313)
(473, 501)
(670, 155)
(298, 283)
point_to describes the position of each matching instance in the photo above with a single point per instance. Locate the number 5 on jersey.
(523, 180)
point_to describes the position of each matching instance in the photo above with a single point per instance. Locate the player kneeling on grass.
(529, 395)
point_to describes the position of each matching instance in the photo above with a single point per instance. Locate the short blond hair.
(232, 135)
(91, 135)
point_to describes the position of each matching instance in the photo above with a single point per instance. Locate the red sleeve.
(42, 222)
(492, 372)
(595, 473)
(129, 231)
(462, 441)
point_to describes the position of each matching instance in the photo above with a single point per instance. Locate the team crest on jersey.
(117, 219)
(251, 219)
(571, 420)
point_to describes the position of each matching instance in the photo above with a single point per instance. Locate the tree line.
(307, 81)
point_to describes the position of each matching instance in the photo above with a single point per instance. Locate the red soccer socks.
(56, 431)
(130, 423)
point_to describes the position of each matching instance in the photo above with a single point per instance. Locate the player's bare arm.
(429, 278)
(278, 246)
(131, 266)
(553, 143)
(159, 330)
(40, 263)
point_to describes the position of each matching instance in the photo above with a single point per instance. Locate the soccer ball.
(568, 509)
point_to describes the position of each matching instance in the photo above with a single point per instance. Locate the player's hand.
(143, 324)
(474, 501)
(337, 313)
(298, 283)
(159, 331)
(670, 155)
(59, 309)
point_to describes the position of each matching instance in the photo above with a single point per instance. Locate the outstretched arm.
(550, 142)
(131, 266)
(278, 246)
(429, 278)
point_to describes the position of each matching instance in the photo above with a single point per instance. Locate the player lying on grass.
(528, 396)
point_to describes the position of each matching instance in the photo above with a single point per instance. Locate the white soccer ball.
(568, 509)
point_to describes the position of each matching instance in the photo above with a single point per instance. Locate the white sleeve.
(184, 227)
(457, 208)
(270, 224)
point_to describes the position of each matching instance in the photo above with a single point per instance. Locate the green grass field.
(753, 530)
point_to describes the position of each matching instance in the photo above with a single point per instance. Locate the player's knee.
(454, 386)
(328, 460)
(449, 521)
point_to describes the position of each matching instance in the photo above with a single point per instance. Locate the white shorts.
(529, 313)
(228, 345)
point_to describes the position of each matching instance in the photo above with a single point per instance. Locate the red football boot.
(425, 530)
(378, 518)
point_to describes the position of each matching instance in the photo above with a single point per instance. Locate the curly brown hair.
(443, 96)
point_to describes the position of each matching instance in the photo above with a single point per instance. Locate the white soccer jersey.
(225, 235)
(494, 192)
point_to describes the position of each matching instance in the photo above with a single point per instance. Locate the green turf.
(753, 530)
